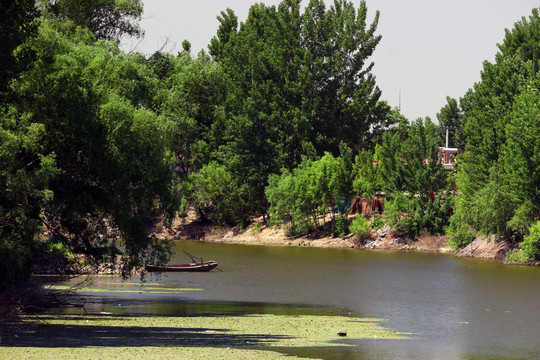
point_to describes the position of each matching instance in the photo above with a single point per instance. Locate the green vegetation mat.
(221, 337)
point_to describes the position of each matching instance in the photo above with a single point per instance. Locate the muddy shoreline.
(483, 247)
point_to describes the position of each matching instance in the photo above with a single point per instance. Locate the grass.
(161, 337)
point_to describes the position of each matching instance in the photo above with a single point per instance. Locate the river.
(455, 308)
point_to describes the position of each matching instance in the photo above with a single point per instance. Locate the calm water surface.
(456, 308)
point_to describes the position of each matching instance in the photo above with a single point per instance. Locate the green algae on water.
(157, 337)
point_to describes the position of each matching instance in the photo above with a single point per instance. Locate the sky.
(430, 49)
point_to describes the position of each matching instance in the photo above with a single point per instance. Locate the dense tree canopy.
(106, 19)
(300, 83)
(282, 118)
(497, 194)
(82, 154)
(17, 23)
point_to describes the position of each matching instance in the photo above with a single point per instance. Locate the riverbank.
(257, 233)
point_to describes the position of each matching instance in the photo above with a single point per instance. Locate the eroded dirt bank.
(486, 247)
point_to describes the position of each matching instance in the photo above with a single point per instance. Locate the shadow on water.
(37, 333)
(175, 307)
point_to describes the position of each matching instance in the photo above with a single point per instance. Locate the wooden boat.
(196, 266)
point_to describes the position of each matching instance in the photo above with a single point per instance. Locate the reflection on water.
(458, 308)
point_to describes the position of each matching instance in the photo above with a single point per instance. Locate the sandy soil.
(383, 239)
(259, 234)
(487, 247)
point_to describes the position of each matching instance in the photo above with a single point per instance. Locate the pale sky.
(430, 49)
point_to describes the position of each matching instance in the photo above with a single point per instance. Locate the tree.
(451, 115)
(487, 110)
(218, 196)
(25, 173)
(524, 40)
(228, 25)
(193, 99)
(301, 197)
(406, 167)
(24, 169)
(341, 97)
(17, 23)
(107, 156)
(299, 82)
(106, 19)
(521, 161)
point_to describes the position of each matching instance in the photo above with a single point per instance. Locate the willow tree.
(81, 152)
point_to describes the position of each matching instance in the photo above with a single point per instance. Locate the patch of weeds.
(257, 229)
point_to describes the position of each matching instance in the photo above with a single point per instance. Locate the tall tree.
(298, 82)
(17, 23)
(109, 152)
(521, 161)
(228, 26)
(451, 115)
(487, 110)
(107, 19)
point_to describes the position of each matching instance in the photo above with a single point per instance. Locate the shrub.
(405, 215)
(58, 248)
(377, 222)
(517, 256)
(523, 218)
(531, 243)
(461, 236)
(257, 229)
(300, 228)
(360, 227)
(341, 226)
(219, 195)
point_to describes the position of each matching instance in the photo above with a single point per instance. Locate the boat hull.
(193, 267)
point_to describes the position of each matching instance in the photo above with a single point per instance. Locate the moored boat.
(196, 266)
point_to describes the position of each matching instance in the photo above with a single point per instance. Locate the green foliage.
(530, 246)
(452, 115)
(521, 161)
(218, 196)
(406, 162)
(523, 218)
(308, 191)
(107, 19)
(461, 235)
(58, 248)
(377, 222)
(298, 83)
(193, 100)
(25, 174)
(365, 180)
(299, 228)
(257, 228)
(405, 215)
(86, 148)
(341, 226)
(498, 178)
(17, 23)
(360, 227)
